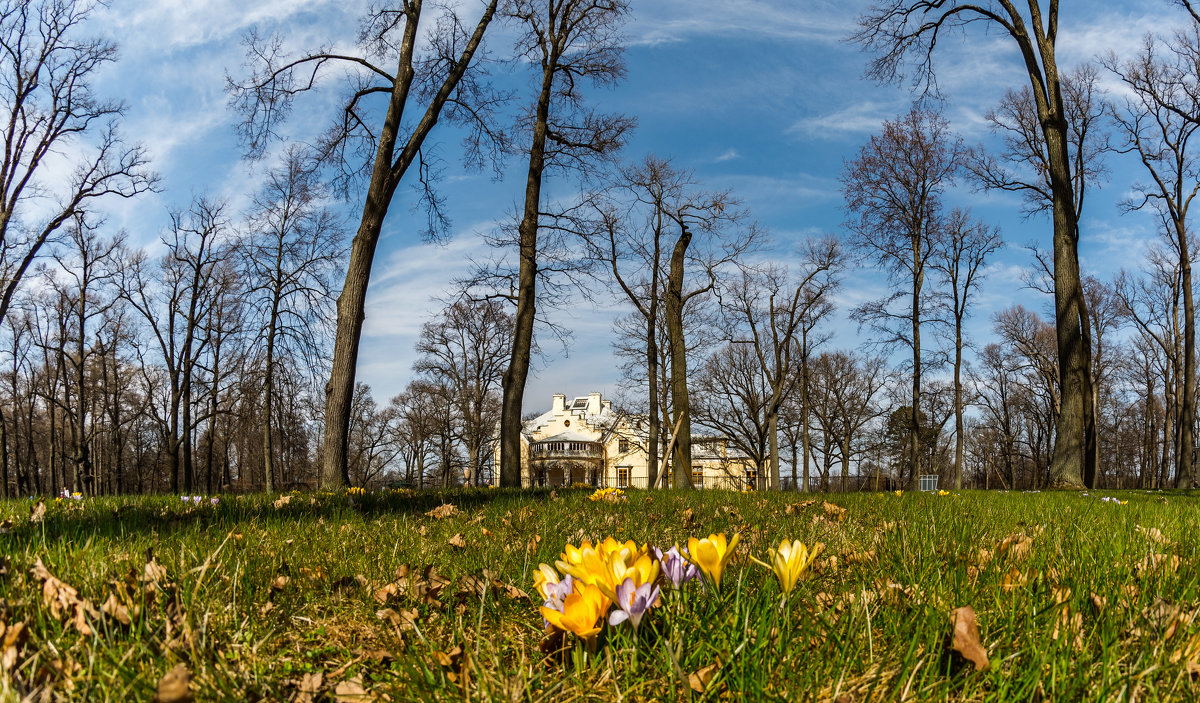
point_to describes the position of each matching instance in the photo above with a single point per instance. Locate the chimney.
(607, 405)
(559, 404)
(593, 404)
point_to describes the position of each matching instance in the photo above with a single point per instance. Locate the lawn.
(322, 597)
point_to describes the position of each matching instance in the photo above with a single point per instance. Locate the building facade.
(585, 441)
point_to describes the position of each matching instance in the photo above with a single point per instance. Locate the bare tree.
(174, 301)
(893, 198)
(769, 309)
(1158, 121)
(958, 260)
(898, 30)
(46, 69)
(465, 349)
(357, 144)
(90, 272)
(566, 42)
(292, 251)
(848, 385)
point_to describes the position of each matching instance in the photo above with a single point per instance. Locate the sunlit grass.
(1076, 598)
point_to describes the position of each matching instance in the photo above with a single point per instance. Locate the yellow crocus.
(899, 493)
(711, 555)
(544, 575)
(582, 611)
(790, 561)
(641, 567)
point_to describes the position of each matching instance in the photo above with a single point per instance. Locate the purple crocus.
(633, 602)
(675, 568)
(556, 593)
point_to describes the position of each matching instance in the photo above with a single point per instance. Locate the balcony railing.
(567, 450)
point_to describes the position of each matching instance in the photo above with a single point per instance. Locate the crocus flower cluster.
(1110, 499)
(611, 495)
(589, 579)
(198, 500)
(356, 491)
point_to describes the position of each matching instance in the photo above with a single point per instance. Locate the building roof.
(568, 437)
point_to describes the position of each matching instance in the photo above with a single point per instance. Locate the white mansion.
(586, 441)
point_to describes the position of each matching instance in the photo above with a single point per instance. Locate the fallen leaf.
(174, 686)
(310, 686)
(12, 638)
(443, 511)
(63, 600)
(965, 640)
(351, 691)
(687, 517)
(279, 583)
(114, 609)
(1152, 533)
(1014, 579)
(702, 677)
(1015, 546)
(458, 541)
(38, 511)
(834, 511)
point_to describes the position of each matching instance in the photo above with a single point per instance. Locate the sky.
(761, 97)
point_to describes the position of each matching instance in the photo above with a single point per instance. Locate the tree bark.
(517, 373)
(681, 458)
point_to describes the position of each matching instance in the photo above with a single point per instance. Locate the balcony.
(566, 450)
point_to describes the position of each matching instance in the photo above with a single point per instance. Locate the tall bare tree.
(893, 193)
(293, 249)
(465, 349)
(47, 66)
(900, 30)
(959, 255)
(566, 42)
(174, 300)
(430, 80)
(1158, 121)
(767, 309)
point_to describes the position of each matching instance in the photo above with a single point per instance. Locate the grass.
(1076, 598)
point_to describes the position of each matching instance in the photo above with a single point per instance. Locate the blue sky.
(759, 96)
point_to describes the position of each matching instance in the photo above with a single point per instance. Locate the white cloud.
(729, 155)
(670, 21)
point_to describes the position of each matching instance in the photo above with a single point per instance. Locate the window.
(622, 445)
(623, 473)
(698, 476)
(929, 482)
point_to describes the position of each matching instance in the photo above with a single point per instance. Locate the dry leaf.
(174, 686)
(702, 677)
(351, 691)
(63, 600)
(443, 511)
(687, 517)
(113, 609)
(1015, 546)
(966, 638)
(458, 541)
(1014, 579)
(38, 511)
(310, 686)
(1153, 533)
(836, 512)
(12, 638)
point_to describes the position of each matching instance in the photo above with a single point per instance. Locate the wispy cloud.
(729, 155)
(670, 21)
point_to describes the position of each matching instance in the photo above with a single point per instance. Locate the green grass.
(1084, 611)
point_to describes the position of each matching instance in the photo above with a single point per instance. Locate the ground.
(393, 596)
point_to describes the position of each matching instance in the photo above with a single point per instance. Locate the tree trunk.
(652, 375)
(681, 458)
(958, 403)
(1187, 414)
(513, 383)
